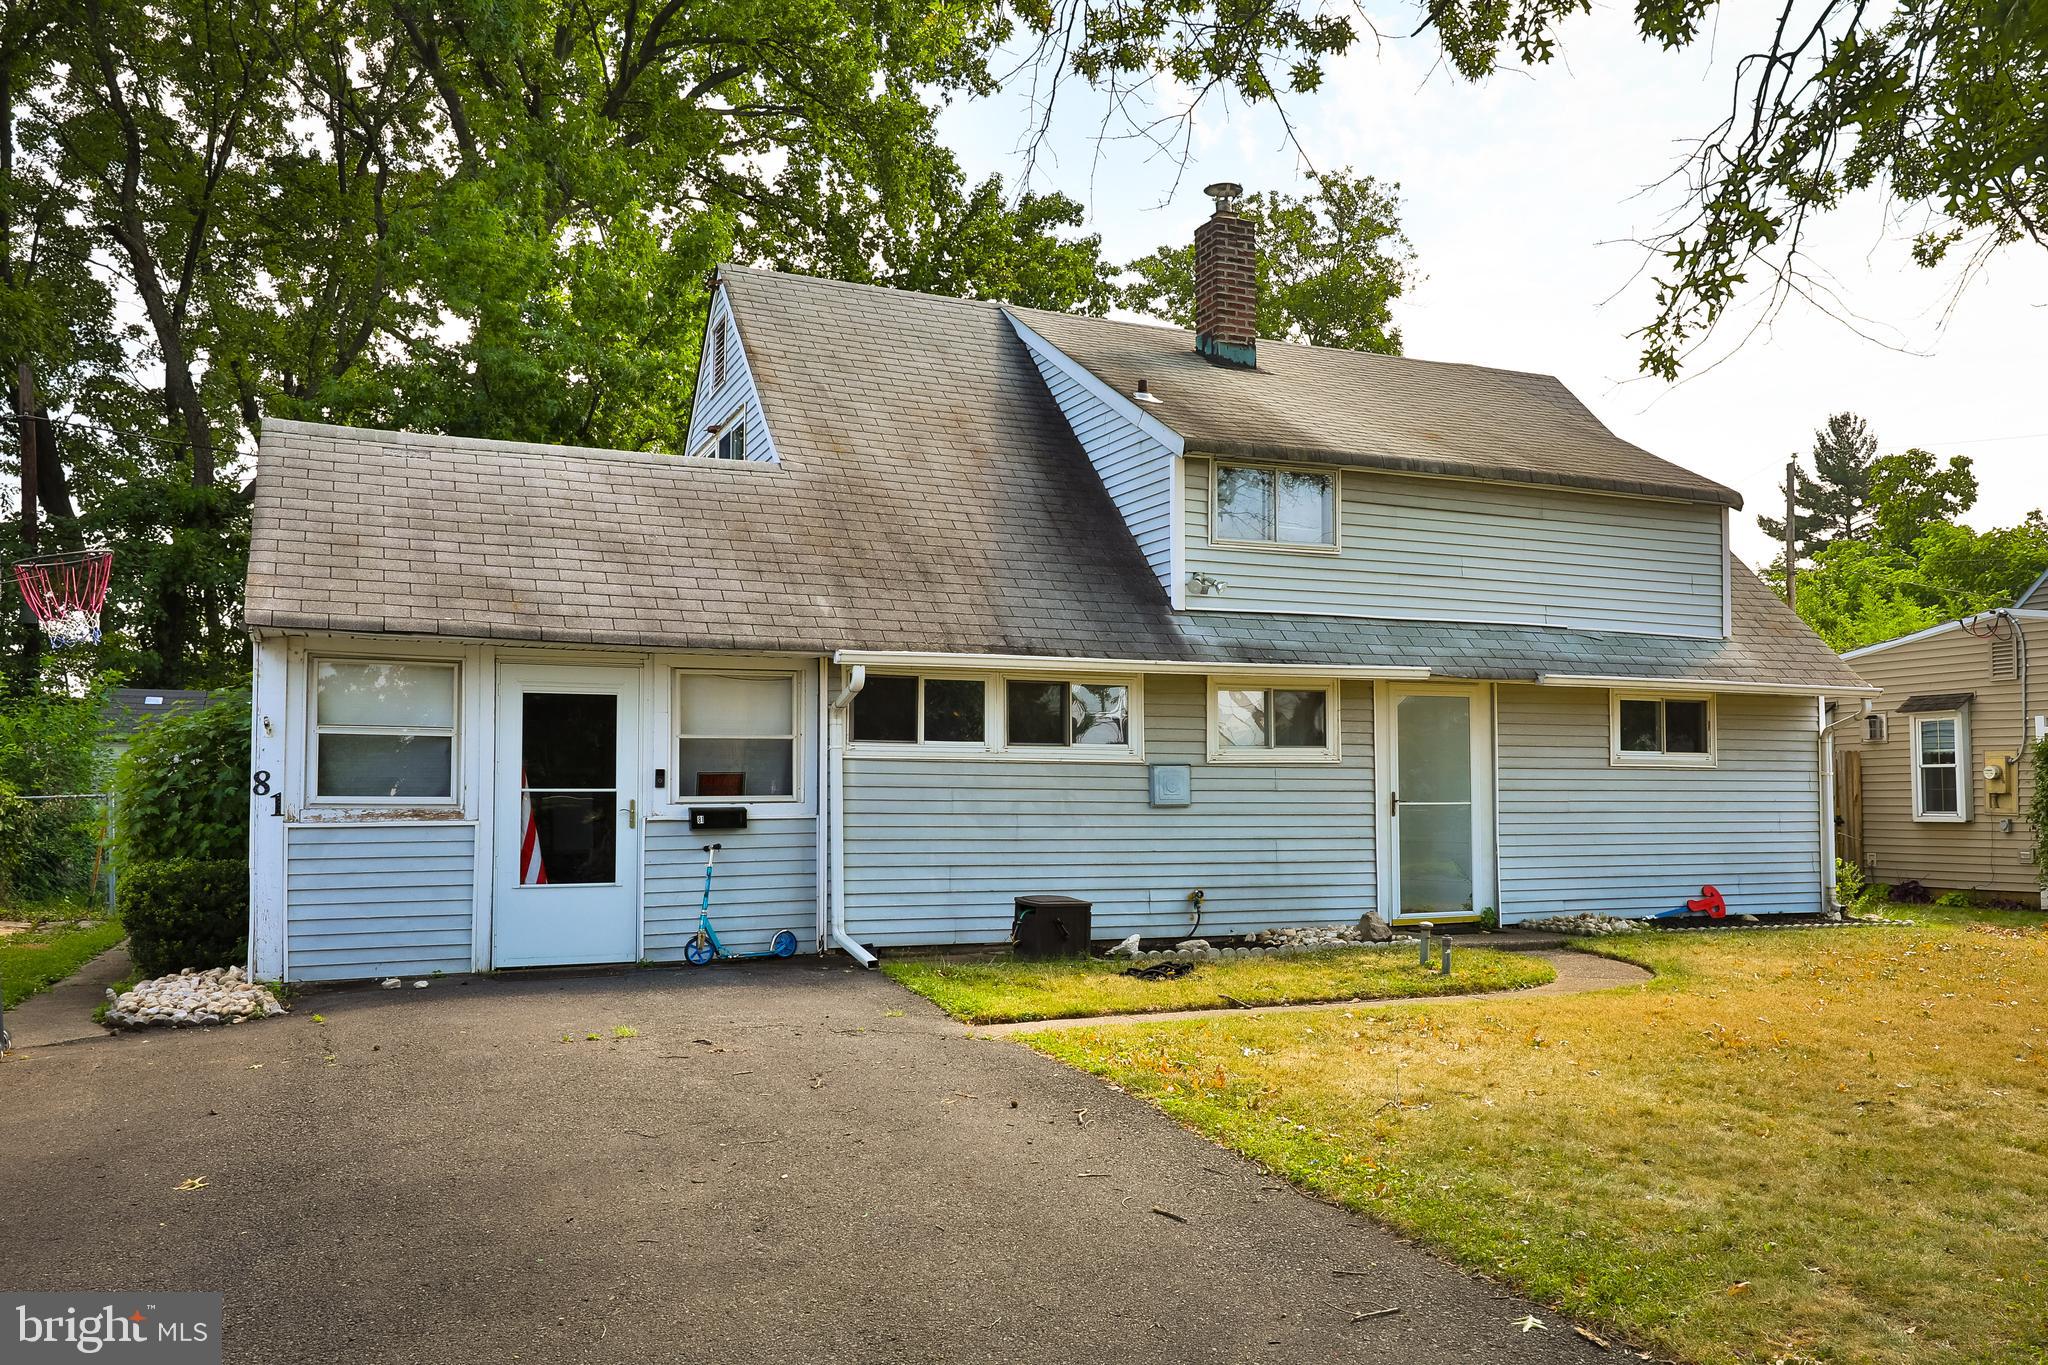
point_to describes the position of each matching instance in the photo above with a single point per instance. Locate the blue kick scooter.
(705, 944)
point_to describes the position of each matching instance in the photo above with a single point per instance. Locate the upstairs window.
(383, 732)
(1940, 739)
(732, 437)
(1662, 731)
(1260, 505)
(1268, 724)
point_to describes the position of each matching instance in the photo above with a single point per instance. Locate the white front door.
(568, 837)
(1436, 801)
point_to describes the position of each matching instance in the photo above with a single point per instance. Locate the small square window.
(1666, 731)
(1268, 722)
(955, 711)
(736, 735)
(383, 731)
(885, 710)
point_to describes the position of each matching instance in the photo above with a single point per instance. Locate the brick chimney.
(1227, 282)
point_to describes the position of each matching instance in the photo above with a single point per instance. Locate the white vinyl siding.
(937, 848)
(1458, 550)
(734, 406)
(766, 881)
(366, 900)
(1577, 833)
(1134, 465)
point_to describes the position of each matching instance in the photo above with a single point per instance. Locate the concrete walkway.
(1576, 972)
(63, 1013)
(788, 1162)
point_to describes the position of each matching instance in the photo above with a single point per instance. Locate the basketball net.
(65, 592)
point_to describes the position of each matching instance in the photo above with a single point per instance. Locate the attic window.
(718, 345)
(732, 437)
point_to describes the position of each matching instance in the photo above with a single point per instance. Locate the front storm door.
(1436, 793)
(568, 837)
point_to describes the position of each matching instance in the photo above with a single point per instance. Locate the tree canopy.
(1331, 263)
(1856, 494)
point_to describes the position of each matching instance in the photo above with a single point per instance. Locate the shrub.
(2037, 810)
(186, 912)
(1851, 889)
(182, 789)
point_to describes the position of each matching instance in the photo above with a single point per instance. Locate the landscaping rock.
(1127, 948)
(192, 999)
(1584, 924)
(1192, 945)
(1374, 929)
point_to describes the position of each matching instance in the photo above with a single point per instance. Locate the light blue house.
(950, 602)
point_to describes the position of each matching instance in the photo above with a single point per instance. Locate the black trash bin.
(1052, 926)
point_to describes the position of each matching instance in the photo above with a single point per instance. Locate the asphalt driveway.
(789, 1162)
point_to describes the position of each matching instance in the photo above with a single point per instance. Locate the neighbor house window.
(1669, 731)
(383, 732)
(1265, 506)
(1939, 742)
(1255, 724)
(899, 708)
(1043, 714)
(736, 735)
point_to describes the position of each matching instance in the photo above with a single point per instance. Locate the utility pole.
(26, 381)
(1792, 532)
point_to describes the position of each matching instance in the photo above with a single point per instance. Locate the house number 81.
(259, 785)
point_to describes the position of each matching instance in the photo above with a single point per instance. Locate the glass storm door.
(1436, 792)
(567, 836)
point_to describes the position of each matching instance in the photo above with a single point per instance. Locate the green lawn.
(1006, 992)
(1797, 1146)
(36, 959)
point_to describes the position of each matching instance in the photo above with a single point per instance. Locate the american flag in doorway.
(532, 871)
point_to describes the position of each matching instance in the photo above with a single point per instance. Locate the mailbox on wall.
(718, 817)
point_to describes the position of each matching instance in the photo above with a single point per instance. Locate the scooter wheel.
(697, 952)
(784, 944)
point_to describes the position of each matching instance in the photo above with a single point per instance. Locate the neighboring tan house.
(1940, 759)
(947, 602)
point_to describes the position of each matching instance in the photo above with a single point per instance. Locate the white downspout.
(835, 824)
(1827, 808)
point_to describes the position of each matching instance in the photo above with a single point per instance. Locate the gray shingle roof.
(1371, 411)
(930, 498)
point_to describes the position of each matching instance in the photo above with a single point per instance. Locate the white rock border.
(189, 999)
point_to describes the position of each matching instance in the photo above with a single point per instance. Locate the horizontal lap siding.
(1577, 833)
(1979, 853)
(766, 881)
(379, 900)
(1135, 468)
(1449, 550)
(936, 849)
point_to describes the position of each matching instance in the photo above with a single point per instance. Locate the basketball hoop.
(65, 592)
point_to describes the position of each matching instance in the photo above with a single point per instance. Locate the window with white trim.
(1261, 724)
(732, 437)
(384, 731)
(1266, 505)
(1941, 790)
(1661, 731)
(1047, 714)
(903, 708)
(736, 735)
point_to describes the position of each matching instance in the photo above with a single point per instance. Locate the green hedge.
(186, 912)
(182, 789)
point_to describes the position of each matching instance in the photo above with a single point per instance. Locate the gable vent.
(2005, 659)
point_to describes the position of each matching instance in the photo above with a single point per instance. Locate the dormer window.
(1268, 505)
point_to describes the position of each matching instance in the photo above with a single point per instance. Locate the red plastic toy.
(1710, 903)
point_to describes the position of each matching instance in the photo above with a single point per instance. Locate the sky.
(1521, 196)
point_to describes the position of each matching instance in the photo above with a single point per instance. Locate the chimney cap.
(1224, 192)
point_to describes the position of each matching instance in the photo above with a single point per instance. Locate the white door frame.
(1386, 757)
(624, 680)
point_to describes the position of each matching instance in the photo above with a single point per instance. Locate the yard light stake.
(1425, 927)
(1445, 970)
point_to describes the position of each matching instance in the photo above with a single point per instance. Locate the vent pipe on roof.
(1227, 282)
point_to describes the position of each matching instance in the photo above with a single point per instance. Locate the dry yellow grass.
(1791, 1146)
